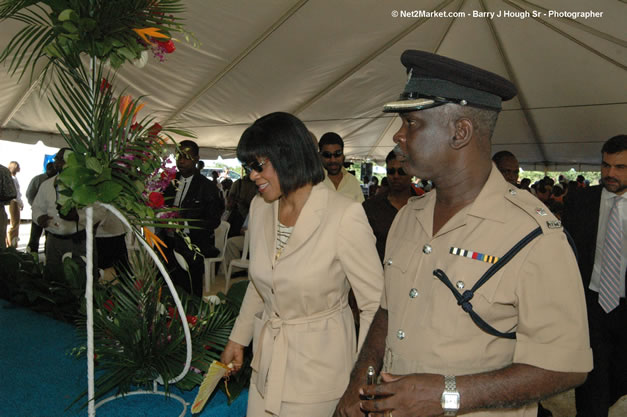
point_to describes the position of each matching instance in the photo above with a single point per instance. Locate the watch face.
(451, 401)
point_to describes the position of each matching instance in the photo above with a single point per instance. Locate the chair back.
(221, 234)
(245, 249)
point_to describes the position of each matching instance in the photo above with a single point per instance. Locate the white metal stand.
(91, 408)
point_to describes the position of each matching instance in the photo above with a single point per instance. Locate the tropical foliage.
(83, 42)
(60, 31)
(139, 336)
(75, 48)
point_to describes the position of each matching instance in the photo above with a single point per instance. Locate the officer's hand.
(349, 403)
(405, 395)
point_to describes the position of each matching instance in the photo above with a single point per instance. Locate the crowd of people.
(461, 293)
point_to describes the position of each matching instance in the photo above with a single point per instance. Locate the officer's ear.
(464, 130)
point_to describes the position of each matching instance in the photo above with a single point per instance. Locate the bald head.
(507, 163)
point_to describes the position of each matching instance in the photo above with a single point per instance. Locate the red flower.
(167, 46)
(135, 126)
(104, 85)
(108, 305)
(154, 130)
(138, 284)
(171, 311)
(192, 320)
(156, 200)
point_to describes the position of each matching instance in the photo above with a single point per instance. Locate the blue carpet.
(39, 379)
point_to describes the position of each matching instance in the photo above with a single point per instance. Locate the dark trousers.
(112, 252)
(607, 382)
(35, 235)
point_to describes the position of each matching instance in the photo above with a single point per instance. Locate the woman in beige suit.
(309, 245)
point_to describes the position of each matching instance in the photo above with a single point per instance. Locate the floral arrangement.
(139, 336)
(114, 154)
(118, 158)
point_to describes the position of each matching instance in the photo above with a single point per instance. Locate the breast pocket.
(397, 262)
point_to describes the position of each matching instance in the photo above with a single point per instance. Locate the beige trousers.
(13, 231)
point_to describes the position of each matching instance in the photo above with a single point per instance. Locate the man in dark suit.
(200, 203)
(596, 218)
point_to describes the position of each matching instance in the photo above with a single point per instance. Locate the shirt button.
(512, 191)
(400, 334)
(460, 285)
(389, 261)
(413, 293)
(427, 249)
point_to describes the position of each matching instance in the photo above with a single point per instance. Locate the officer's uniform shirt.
(538, 294)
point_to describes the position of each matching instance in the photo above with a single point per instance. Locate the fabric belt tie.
(271, 383)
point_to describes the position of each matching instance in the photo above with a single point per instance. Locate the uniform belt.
(82, 235)
(272, 382)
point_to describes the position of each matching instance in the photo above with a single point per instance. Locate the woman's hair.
(286, 142)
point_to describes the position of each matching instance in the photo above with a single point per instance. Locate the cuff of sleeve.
(552, 358)
(241, 334)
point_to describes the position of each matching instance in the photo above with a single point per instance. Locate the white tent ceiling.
(334, 63)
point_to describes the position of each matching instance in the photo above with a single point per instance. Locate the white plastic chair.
(239, 263)
(221, 235)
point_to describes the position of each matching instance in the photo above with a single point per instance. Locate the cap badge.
(541, 211)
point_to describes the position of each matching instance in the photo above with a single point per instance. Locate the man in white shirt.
(596, 217)
(338, 178)
(64, 233)
(31, 193)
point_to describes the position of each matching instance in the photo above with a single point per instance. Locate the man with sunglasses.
(382, 208)
(482, 312)
(338, 178)
(200, 202)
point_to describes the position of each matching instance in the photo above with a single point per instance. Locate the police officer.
(447, 341)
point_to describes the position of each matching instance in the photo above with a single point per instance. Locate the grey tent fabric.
(335, 63)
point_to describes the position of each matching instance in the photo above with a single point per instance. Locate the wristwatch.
(450, 397)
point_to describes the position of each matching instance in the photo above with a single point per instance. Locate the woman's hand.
(233, 354)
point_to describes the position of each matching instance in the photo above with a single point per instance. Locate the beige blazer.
(296, 309)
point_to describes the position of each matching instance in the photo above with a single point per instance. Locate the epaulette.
(535, 209)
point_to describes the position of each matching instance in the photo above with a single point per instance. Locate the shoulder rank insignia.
(554, 224)
(474, 255)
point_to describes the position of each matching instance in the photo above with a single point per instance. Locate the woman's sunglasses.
(328, 155)
(392, 171)
(254, 166)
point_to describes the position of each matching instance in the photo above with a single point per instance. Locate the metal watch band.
(449, 383)
(450, 396)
